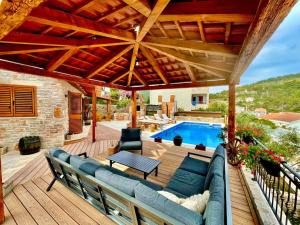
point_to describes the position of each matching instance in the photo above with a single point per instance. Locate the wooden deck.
(29, 203)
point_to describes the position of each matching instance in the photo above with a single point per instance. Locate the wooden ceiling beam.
(269, 16)
(132, 63)
(126, 20)
(156, 11)
(208, 83)
(85, 5)
(214, 68)
(140, 78)
(13, 14)
(201, 30)
(25, 49)
(221, 18)
(162, 30)
(155, 65)
(38, 39)
(60, 59)
(16, 67)
(179, 30)
(57, 18)
(227, 32)
(142, 6)
(118, 76)
(116, 10)
(195, 46)
(108, 60)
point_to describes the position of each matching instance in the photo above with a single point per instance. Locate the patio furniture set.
(128, 199)
(155, 121)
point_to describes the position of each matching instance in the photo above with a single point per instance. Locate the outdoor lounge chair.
(131, 140)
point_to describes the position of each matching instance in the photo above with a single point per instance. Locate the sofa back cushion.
(159, 202)
(216, 167)
(131, 134)
(87, 165)
(216, 202)
(119, 182)
(60, 154)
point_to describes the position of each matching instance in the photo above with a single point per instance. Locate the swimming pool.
(193, 133)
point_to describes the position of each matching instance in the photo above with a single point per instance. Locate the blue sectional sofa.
(129, 199)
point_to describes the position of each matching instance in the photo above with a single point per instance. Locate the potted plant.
(29, 145)
(270, 162)
(177, 140)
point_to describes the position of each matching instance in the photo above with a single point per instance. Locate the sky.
(279, 56)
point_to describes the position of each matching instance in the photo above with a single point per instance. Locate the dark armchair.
(131, 140)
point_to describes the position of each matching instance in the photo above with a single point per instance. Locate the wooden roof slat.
(85, 5)
(142, 6)
(190, 45)
(24, 49)
(140, 78)
(201, 30)
(158, 24)
(155, 65)
(60, 59)
(202, 64)
(180, 30)
(227, 32)
(127, 19)
(108, 60)
(57, 18)
(118, 76)
(115, 11)
(133, 60)
(147, 25)
(221, 18)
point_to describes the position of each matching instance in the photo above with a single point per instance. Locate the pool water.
(194, 133)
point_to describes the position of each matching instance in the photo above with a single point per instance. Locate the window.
(17, 101)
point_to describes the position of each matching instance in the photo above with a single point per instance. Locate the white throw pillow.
(196, 203)
(171, 197)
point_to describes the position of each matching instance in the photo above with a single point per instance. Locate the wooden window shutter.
(6, 101)
(24, 101)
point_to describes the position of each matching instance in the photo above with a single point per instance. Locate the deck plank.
(30, 203)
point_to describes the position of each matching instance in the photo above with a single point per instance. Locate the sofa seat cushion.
(186, 183)
(216, 202)
(131, 145)
(87, 165)
(119, 182)
(194, 165)
(159, 202)
(60, 154)
(147, 183)
(179, 195)
(215, 168)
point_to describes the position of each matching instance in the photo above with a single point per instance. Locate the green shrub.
(122, 103)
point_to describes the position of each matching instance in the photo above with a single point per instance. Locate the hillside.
(275, 94)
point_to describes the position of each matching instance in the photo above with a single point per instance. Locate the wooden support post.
(133, 109)
(231, 112)
(94, 112)
(2, 217)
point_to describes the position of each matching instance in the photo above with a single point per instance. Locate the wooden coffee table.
(138, 162)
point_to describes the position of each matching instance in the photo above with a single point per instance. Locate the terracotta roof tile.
(283, 116)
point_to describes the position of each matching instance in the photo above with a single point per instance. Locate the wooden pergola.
(138, 44)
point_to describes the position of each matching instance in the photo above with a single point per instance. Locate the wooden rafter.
(37, 39)
(190, 73)
(111, 13)
(227, 32)
(108, 60)
(62, 76)
(118, 76)
(140, 78)
(155, 65)
(57, 18)
(85, 5)
(201, 30)
(195, 46)
(60, 59)
(158, 24)
(132, 63)
(157, 10)
(193, 61)
(142, 6)
(127, 19)
(25, 49)
(265, 23)
(222, 18)
(179, 29)
(183, 85)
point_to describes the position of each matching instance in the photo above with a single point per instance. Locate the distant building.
(186, 98)
(283, 118)
(259, 112)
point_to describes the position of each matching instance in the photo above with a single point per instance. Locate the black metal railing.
(281, 191)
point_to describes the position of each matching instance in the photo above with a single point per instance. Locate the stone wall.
(51, 94)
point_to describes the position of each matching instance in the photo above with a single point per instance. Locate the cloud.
(279, 56)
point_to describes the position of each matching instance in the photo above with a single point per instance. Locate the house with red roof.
(282, 118)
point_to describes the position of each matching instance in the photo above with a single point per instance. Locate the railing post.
(94, 111)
